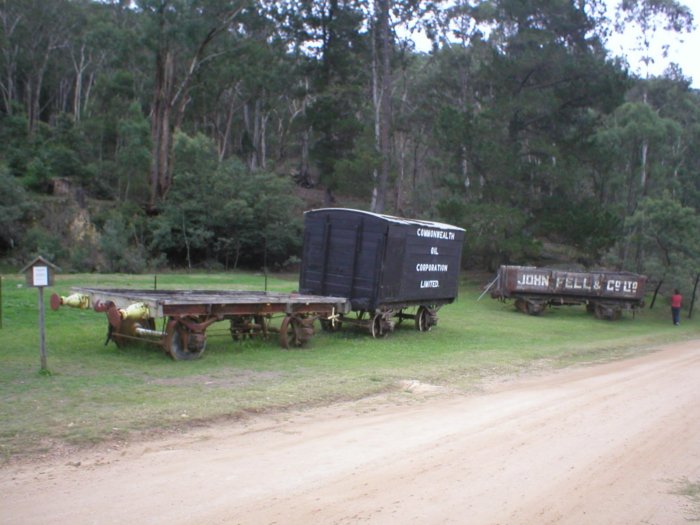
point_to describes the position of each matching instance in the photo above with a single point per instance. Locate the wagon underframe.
(187, 314)
(603, 308)
(386, 317)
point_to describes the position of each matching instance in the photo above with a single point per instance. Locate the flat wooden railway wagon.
(186, 315)
(604, 293)
(389, 268)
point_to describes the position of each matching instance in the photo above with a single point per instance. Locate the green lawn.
(97, 392)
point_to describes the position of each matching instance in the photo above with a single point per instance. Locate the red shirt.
(676, 300)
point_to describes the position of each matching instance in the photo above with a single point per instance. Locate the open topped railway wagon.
(389, 268)
(604, 293)
(186, 314)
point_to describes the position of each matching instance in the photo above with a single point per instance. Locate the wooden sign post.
(39, 274)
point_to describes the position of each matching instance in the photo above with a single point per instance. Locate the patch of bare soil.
(606, 444)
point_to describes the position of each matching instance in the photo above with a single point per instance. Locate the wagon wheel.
(122, 336)
(261, 325)
(182, 344)
(424, 320)
(600, 311)
(289, 332)
(117, 334)
(607, 313)
(247, 326)
(237, 327)
(534, 308)
(376, 328)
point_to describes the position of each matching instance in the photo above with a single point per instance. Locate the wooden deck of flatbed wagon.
(132, 315)
(164, 303)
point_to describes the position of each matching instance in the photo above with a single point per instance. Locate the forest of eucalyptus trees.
(145, 133)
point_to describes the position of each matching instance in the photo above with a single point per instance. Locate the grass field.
(96, 393)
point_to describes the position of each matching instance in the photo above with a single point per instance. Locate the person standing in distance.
(676, 301)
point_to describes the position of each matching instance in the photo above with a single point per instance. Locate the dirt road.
(606, 444)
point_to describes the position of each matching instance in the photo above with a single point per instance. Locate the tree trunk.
(8, 87)
(80, 66)
(36, 83)
(10, 51)
(167, 98)
(656, 291)
(160, 127)
(34, 101)
(384, 50)
(226, 136)
(88, 91)
(402, 154)
(377, 127)
(692, 297)
(257, 121)
(248, 141)
(187, 243)
(643, 179)
(304, 174)
(263, 140)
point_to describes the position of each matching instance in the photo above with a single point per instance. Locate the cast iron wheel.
(377, 326)
(423, 319)
(534, 308)
(607, 313)
(289, 335)
(237, 328)
(116, 334)
(128, 328)
(260, 325)
(246, 326)
(601, 312)
(182, 345)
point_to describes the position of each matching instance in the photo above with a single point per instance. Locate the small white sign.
(41, 276)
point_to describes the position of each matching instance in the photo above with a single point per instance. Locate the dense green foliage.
(96, 392)
(175, 132)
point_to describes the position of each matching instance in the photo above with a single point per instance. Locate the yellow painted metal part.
(76, 300)
(135, 311)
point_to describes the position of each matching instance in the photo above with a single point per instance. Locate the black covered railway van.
(604, 293)
(384, 265)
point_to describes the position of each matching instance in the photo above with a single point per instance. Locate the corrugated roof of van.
(391, 218)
